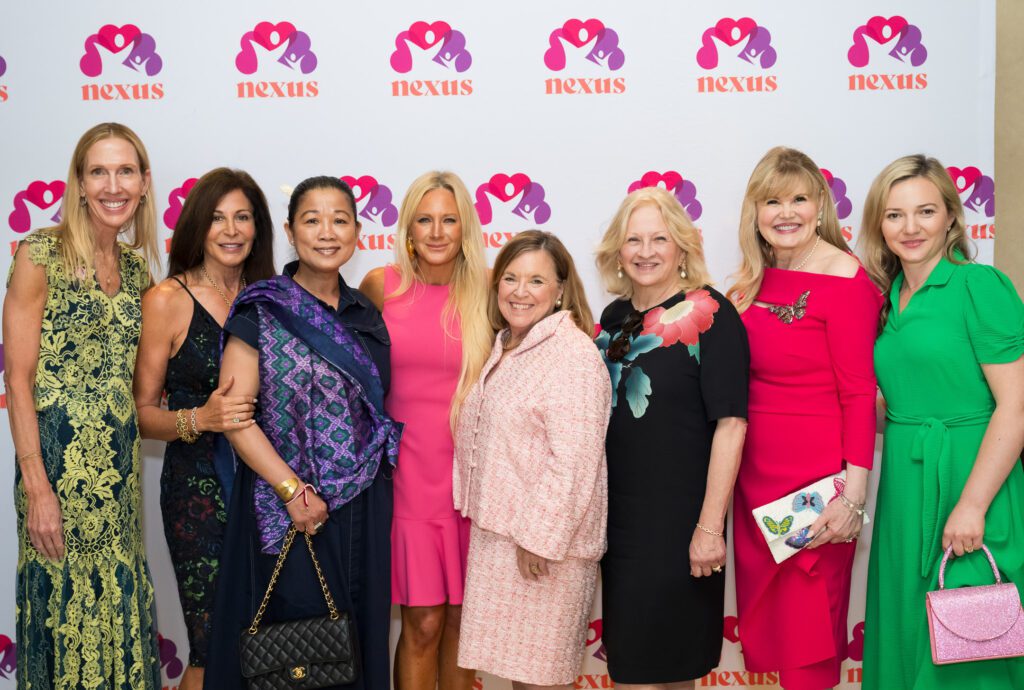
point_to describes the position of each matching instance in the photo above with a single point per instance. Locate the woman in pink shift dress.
(433, 299)
(811, 314)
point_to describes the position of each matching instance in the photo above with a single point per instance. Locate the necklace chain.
(202, 269)
(801, 264)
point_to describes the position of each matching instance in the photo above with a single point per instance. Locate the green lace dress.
(87, 621)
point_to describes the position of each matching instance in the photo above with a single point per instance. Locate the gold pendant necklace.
(202, 269)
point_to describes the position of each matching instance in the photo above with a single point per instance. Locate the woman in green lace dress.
(950, 363)
(71, 324)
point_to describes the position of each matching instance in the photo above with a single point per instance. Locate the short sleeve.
(245, 324)
(994, 316)
(725, 364)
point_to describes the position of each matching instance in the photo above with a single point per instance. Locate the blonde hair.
(780, 172)
(880, 262)
(574, 299)
(468, 296)
(680, 228)
(75, 229)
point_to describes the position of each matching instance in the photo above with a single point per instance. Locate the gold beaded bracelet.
(286, 489)
(181, 427)
(857, 508)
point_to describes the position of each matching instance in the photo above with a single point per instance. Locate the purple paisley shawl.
(320, 403)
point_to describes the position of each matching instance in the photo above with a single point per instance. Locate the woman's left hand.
(965, 529)
(836, 524)
(531, 566)
(707, 552)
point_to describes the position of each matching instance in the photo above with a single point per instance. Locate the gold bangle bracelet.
(26, 456)
(286, 489)
(181, 426)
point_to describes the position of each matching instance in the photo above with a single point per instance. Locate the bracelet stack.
(181, 425)
(851, 506)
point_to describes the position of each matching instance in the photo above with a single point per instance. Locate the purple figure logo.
(8, 656)
(605, 51)
(907, 46)
(141, 48)
(298, 53)
(683, 190)
(757, 49)
(837, 187)
(506, 187)
(39, 194)
(980, 190)
(451, 55)
(3, 66)
(378, 207)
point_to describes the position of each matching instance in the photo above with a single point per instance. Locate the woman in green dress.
(71, 324)
(948, 361)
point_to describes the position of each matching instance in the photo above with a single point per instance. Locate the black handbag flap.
(292, 643)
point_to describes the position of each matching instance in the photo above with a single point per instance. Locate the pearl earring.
(682, 271)
(619, 272)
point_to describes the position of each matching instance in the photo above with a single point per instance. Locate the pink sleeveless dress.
(429, 538)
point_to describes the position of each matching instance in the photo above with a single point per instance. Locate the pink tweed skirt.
(531, 632)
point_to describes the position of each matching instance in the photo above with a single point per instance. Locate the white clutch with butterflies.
(785, 522)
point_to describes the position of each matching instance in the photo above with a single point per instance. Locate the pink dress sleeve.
(850, 330)
(575, 412)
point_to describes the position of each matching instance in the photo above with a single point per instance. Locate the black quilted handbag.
(302, 654)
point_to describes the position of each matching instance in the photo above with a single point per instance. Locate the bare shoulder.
(373, 286)
(838, 263)
(166, 297)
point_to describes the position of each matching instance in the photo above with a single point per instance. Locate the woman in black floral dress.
(222, 241)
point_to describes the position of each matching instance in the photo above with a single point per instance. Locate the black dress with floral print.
(191, 500)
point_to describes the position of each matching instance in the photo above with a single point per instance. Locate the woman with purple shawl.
(315, 353)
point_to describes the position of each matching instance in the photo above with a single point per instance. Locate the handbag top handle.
(945, 558)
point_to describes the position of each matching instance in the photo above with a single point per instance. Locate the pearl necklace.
(801, 264)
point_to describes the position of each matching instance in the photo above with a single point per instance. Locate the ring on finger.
(318, 525)
(969, 549)
(716, 569)
(236, 420)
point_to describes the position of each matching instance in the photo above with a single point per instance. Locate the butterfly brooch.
(778, 528)
(788, 312)
(808, 501)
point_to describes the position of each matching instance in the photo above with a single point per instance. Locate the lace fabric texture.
(87, 621)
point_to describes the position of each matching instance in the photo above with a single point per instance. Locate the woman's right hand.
(224, 412)
(308, 518)
(45, 524)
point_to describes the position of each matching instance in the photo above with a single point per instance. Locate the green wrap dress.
(928, 361)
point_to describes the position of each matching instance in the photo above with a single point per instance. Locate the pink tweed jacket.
(529, 444)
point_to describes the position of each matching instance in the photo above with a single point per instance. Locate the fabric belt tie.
(931, 449)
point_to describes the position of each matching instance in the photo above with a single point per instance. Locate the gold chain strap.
(331, 608)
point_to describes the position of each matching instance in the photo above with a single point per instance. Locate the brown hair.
(193, 226)
(574, 300)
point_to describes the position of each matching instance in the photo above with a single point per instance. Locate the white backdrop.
(550, 111)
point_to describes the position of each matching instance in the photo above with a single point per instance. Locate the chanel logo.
(297, 672)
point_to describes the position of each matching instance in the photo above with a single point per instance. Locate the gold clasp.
(297, 672)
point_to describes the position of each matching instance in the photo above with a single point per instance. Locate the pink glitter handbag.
(974, 623)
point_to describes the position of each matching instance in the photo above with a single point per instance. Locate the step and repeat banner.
(550, 111)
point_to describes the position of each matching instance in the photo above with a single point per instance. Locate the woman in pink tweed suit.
(530, 472)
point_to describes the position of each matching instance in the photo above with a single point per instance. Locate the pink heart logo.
(176, 200)
(506, 187)
(361, 186)
(668, 180)
(884, 30)
(427, 35)
(964, 179)
(579, 32)
(828, 176)
(117, 38)
(730, 629)
(44, 195)
(732, 31)
(271, 36)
